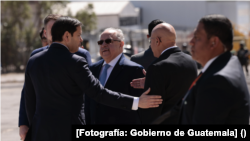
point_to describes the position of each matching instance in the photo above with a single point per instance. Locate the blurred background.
(22, 21)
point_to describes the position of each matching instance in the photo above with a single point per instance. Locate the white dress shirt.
(168, 49)
(208, 64)
(112, 65)
(109, 70)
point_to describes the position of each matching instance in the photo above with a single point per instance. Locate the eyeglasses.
(149, 40)
(107, 41)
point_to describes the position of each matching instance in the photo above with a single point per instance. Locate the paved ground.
(11, 86)
(10, 100)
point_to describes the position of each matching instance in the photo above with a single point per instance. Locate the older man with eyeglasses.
(115, 72)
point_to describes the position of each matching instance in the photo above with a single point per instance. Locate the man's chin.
(105, 54)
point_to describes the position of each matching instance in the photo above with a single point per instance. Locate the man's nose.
(191, 43)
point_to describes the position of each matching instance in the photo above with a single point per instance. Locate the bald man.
(170, 75)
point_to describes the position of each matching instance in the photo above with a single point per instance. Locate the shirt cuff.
(135, 103)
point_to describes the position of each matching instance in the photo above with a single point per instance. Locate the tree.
(87, 17)
(13, 15)
(21, 23)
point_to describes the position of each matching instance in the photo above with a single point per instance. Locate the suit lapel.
(96, 71)
(115, 72)
(218, 64)
(214, 67)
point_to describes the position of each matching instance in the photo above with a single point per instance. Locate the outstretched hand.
(138, 83)
(149, 101)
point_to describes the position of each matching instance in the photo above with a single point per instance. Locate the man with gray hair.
(115, 72)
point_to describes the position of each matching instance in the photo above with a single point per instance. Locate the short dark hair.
(50, 17)
(152, 24)
(62, 25)
(41, 34)
(220, 26)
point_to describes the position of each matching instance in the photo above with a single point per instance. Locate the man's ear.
(214, 41)
(158, 41)
(121, 44)
(44, 33)
(148, 36)
(66, 36)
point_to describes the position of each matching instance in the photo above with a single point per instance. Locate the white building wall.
(181, 14)
(106, 21)
(128, 11)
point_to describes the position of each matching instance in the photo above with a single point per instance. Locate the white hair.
(119, 34)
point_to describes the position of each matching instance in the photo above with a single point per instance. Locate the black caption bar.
(80, 132)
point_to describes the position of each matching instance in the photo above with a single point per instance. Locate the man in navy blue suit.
(56, 81)
(48, 23)
(119, 73)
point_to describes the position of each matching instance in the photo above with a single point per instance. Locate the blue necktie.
(103, 75)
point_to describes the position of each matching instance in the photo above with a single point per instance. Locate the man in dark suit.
(220, 94)
(48, 23)
(120, 73)
(55, 83)
(146, 57)
(170, 75)
(242, 55)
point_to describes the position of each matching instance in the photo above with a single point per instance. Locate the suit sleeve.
(213, 102)
(30, 96)
(87, 110)
(23, 119)
(132, 58)
(154, 83)
(92, 87)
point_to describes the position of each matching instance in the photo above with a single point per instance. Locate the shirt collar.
(60, 44)
(114, 61)
(208, 64)
(168, 49)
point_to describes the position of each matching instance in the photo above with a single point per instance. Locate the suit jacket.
(119, 80)
(55, 83)
(23, 119)
(220, 96)
(144, 58)
(169, 76)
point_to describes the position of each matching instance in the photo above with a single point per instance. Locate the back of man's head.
(50, 17)
(166, 33)
(62, 25)
(242, 45)
(220, 26)
(152, 24)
